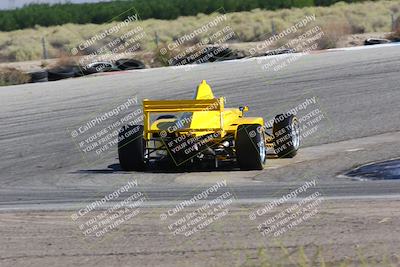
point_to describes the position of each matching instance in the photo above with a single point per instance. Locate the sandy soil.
(364, 232)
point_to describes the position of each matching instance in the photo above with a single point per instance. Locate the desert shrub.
(249, 26)
(24, 52)
(58, 14)
(333, 30)
(161, 59)
(12, 76)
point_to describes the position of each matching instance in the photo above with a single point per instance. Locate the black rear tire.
(39, 76)
(286, 132)
(60, 73)
(250, 145)
(131, 147)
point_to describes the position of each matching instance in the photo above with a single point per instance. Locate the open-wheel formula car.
(201, 130)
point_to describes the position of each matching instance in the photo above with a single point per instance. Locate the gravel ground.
(355, 231)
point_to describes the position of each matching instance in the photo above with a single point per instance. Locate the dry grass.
(12, 76)
(333, 31)
(63, 60)
(312, 258)
(255, 25)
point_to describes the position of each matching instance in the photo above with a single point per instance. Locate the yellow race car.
(202, 131)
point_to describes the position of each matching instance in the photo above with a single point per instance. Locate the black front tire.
(286, 131)
(131, 146)
(250, 145)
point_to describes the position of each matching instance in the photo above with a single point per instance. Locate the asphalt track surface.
(358, 91)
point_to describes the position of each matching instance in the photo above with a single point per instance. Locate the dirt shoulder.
(345, 231)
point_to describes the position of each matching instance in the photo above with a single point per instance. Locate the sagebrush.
(58, 14)
(12, 76)
(249, 26)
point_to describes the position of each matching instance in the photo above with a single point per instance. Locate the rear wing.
(175, 106)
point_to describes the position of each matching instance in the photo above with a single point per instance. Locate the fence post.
(393, 22)
(273, 30)
(45, 55)
(156, 39)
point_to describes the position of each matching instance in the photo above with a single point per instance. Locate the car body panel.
(201, 116)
